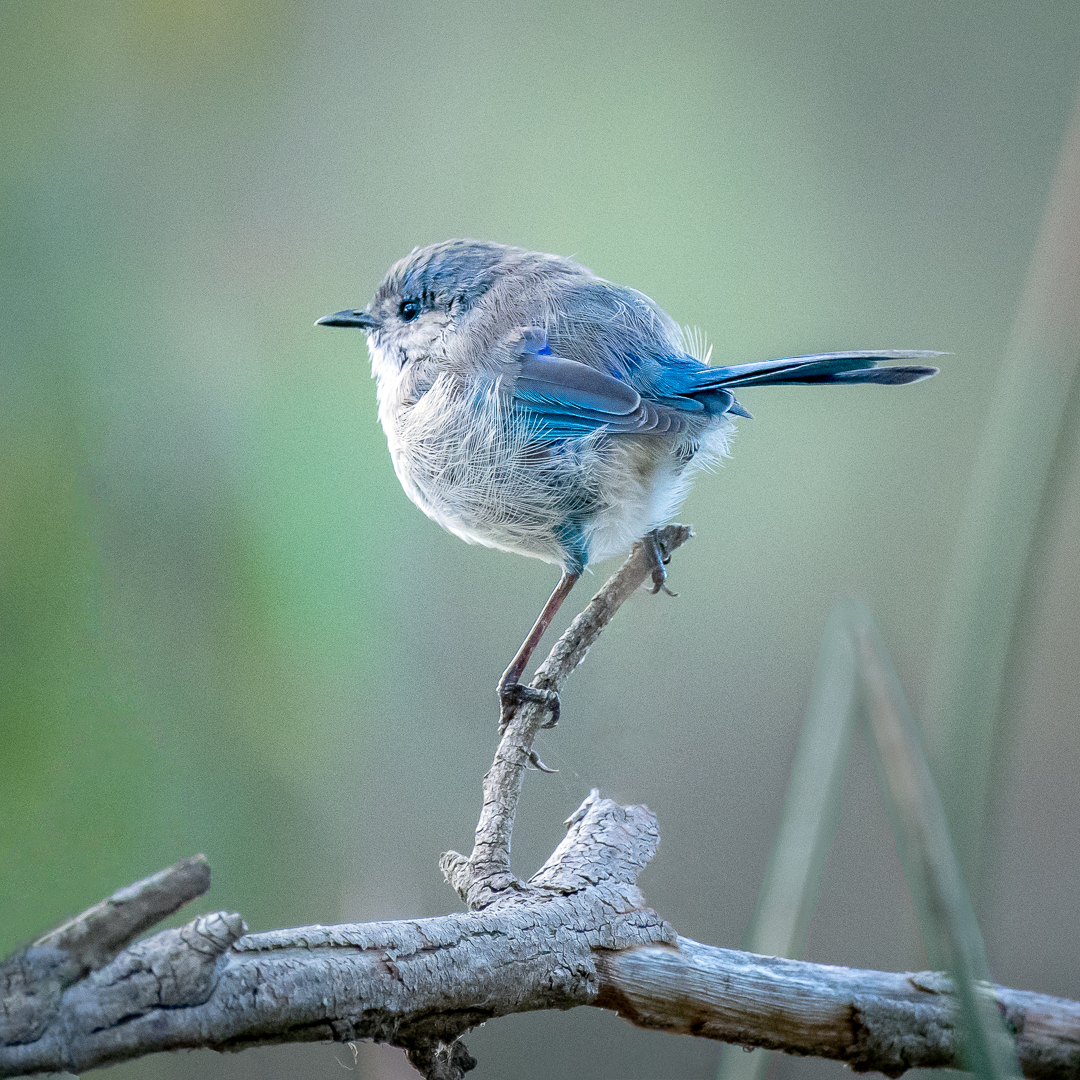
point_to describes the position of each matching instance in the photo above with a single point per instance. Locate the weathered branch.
(580, 937)
(93, 938)
(576, 933)
(872, 1020)
(485, 875)
(417, 984)
(33, 980)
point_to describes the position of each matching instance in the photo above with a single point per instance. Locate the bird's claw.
(514, 694)
(659, 581)
(658, 559)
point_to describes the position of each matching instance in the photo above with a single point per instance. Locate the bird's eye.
(409, 310)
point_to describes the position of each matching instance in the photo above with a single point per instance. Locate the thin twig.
(485, 875)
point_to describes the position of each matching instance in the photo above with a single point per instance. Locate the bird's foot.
(658, 559)
(511, 695)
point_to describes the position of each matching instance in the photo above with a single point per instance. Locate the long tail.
(838, 367)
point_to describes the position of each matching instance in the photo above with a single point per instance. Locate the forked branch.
(577, 932)
(485, 875)
(420, 983)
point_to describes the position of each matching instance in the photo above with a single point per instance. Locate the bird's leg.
(511, 690)
(654, 553)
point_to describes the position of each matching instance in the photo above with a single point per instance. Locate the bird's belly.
(477, 469)
(586, 510)
(480, 474)
(645, 484)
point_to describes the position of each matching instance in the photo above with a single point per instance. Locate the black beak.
(362, 319)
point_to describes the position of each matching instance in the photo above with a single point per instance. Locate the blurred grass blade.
(946, 917)
(856, 682)
(1023, 435)
(811, 812)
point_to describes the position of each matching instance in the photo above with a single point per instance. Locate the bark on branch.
(577, 932)
(584, 939)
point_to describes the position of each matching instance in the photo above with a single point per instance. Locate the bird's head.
(423, 296)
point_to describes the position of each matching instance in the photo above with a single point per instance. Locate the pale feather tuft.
(696, 344)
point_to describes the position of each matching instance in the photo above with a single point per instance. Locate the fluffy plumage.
(531, 406)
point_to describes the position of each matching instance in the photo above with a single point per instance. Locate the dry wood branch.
(417, 984)
(580, 936)
(576, 933)
(93, 938)
(33, 980)
(884, 1021)
(485, 875)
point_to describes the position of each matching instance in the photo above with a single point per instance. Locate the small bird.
(532, 406)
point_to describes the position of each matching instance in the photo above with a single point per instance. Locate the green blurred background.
(223, 628)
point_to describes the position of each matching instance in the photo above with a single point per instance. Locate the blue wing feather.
(576, 386)
(572, 398)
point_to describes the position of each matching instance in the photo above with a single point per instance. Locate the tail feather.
(840, 367)
(887, 376)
